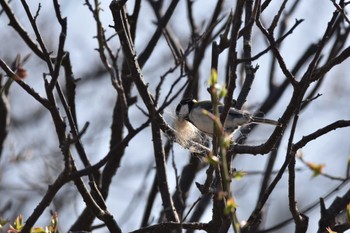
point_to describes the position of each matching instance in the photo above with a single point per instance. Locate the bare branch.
(129, 51)
(21, 31)
(27, 88)
(320, 132)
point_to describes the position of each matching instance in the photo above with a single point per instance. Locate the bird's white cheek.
(183, 113)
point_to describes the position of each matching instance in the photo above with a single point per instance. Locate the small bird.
(192, 111)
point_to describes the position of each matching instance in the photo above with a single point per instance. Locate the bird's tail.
(260, 120)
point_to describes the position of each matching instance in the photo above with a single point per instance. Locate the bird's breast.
(202, 121)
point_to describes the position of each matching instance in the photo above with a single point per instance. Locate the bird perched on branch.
(195, 113)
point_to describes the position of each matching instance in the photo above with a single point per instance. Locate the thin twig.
(20, 30)
(341, 10)
(25, 86)
(276, 53)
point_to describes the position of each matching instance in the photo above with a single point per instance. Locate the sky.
(97, 102)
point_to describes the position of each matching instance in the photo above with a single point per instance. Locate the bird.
(193, 111)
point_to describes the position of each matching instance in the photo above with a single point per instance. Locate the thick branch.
(117, 9)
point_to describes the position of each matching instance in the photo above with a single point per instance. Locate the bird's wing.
(235, 113)
(207, 105)
(235, 118)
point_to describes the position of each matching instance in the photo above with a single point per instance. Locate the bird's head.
(184, 108)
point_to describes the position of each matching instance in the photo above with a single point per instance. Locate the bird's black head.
(183, 109)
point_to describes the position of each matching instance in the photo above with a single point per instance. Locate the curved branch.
(320, 132)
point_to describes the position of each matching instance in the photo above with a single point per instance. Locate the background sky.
(31, 147)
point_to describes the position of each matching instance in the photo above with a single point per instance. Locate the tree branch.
(117, 9)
